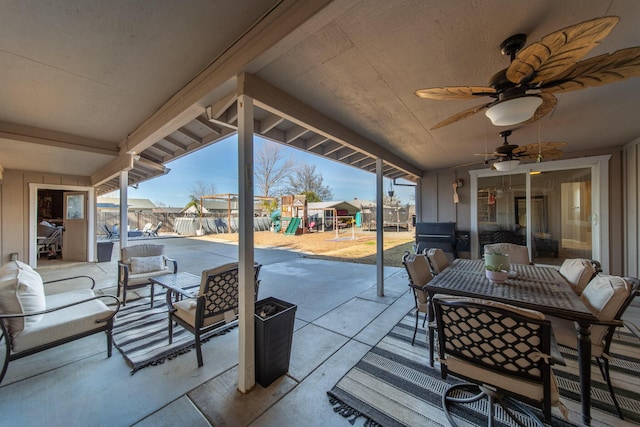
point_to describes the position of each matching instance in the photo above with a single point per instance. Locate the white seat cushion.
(142, 278)
(186, 310)
(604, 296)
(64, 323)
(21, 291)
(578, 273)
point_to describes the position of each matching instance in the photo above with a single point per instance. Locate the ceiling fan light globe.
(513, 110)
(507, 165)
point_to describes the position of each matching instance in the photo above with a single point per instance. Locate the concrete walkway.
(339, 318)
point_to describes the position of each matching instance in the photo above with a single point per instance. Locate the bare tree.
(305, 180)
(271, 169)
(197, 190)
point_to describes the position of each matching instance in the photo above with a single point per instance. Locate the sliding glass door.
(554, 208)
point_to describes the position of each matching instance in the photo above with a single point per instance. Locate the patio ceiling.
(90, 89)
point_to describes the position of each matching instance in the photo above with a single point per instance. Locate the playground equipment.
(275, 221)
(294, 214)
(231, 211)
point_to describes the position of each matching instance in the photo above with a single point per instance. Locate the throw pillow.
(147, 264)
(21, 291)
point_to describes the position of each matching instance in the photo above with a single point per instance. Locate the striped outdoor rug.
(141, 333)
(393, 385)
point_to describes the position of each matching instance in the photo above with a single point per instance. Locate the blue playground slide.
(292, 227)
(275, 219)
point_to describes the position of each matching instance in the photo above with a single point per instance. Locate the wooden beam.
(271, 121)
(270, 98)
(57, 139)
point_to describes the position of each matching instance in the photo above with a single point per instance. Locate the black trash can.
(274, 320)
(104, 251)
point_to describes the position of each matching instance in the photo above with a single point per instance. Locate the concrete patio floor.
(339, 318)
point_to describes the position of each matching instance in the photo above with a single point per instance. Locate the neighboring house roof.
(132, 204)
(361, 202)
(336, 204)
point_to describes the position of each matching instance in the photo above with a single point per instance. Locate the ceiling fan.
(523, 92)
(507, 156)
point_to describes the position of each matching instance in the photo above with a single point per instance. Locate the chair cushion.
(186, 310)
(604, 296)
(418, 268)
(439, 260)
(141, 251)
(21, 291)
(66, 322)
(578, 273)
(510, 383)
(147, 264)
(143, 278)
(518, 254)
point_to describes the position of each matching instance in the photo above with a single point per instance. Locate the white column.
(379, 229)
(124, 185)
(246, 350)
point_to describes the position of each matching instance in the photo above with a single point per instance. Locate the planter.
(274, 320)
(497, 276)
(501, 261)
(104, 251)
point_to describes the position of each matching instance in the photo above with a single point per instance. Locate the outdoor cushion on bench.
(33, 321)
(138, 264)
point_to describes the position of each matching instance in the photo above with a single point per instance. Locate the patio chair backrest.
(518, 254)
(417, 267)
(219, 287)
(438, 260)
(607, 297)
(578, 273)
(143, 250)
(515, 360)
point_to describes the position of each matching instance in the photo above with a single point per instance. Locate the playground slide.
(292, 227)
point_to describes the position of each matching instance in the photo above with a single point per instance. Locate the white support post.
(246, 349)
(379, 229)
(124, 185)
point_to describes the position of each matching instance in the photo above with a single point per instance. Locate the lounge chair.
(154, 232)
(148, 227)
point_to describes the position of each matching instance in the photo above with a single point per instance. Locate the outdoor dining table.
(538, 288)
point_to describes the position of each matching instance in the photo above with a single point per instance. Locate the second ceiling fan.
(506, 156)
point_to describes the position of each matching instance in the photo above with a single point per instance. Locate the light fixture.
(391, 192)
(506, 165)
(512, 111)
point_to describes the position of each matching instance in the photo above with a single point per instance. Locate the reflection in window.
(75, 206)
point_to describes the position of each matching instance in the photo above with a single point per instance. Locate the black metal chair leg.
(604, 370)
(415, 330)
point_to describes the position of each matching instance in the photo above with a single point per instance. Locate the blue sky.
(217, 164)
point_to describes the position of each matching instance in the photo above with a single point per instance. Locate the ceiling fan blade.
(461, 115)
(597, 71)
(558, 51)
(535, 148)
(548, 104)
(455, 92)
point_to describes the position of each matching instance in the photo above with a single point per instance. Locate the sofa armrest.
(115, 300)
(91, 279)
(123, 272)
(173, 261)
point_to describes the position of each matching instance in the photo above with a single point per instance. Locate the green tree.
(305, 180)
